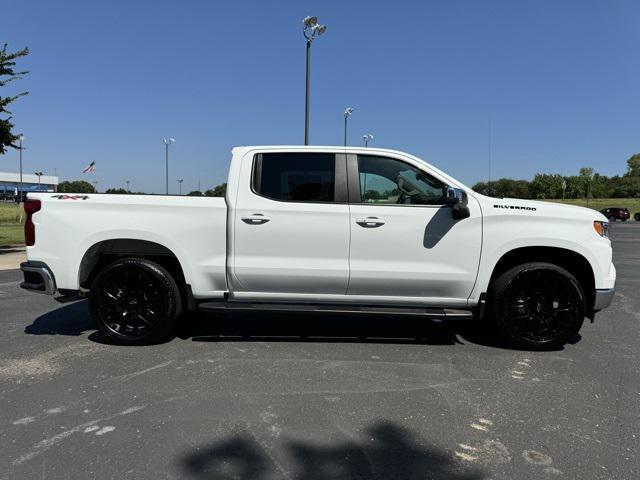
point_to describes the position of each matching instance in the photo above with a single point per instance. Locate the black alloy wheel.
(538, 305)
(135, 301)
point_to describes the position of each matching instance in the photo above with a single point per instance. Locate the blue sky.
(558, 79)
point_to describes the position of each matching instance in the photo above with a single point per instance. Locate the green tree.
(76, 186)
(195, 193)
(7, 75)
(633, 166)
(504, 187)
(117, 191)
(217, 191)
(372, 195)
(586, 178)
(600, 186)
(546, 185)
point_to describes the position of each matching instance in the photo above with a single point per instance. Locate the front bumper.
(603, 298)
(38, 277)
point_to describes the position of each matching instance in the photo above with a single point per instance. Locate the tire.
(135, 301)
(537, 306)
(623, 219)
(612, 219)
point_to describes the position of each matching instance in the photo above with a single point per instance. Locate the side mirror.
(457, 199)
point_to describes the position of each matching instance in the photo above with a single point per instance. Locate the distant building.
(10, 183)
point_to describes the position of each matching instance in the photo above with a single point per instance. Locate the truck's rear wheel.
(135, 301)
(538, 305)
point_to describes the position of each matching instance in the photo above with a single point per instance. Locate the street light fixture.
(39, 174)
(310, 29)
(167, 142)
(347, 114)
(127, 182)
(180, 180)
(367, 137)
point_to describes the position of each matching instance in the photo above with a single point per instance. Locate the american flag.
(90, 168)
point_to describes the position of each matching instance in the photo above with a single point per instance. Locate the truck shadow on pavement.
(73, 320)
(385, 450)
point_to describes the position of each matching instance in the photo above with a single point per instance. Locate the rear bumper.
(603, 298)
(38, 278)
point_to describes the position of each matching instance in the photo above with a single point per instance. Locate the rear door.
(404, 240)
(291, 225)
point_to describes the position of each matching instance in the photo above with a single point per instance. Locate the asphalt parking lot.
(316, 397)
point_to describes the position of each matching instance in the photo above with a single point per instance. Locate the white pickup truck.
(328, 229)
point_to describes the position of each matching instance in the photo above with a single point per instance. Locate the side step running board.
(432, 313)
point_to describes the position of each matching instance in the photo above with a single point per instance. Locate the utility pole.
(21, 138)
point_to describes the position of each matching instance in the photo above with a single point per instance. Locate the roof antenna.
(490, 142)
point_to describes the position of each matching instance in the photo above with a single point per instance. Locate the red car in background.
(615, 213)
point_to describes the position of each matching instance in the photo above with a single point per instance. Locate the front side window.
(389, 181)
(295, 177)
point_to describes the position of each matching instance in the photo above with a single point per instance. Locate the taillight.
(30, 207)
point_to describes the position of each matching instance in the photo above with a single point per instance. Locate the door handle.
(255, 219)
(370, 222)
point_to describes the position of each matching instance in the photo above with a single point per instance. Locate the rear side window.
(295, 177)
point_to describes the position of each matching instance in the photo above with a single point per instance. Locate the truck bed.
(193, 228)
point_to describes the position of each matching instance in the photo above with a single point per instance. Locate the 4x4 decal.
(70, 197)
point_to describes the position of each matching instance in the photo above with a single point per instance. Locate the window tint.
(389, 181)
(295, 177)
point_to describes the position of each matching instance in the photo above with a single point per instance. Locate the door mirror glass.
(455, 196)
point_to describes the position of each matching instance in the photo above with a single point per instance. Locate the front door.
(291, 226)
(405, 243)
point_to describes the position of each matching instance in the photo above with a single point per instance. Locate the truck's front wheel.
(135, 301)
(538, 305)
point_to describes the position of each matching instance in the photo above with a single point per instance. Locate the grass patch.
(633, 204)
(11, 234)
(11, 213)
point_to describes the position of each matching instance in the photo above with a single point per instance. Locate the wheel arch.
(104, 252)
(575, 263)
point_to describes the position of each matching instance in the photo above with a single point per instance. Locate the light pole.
(39, 174)
(180, 180)
(95, 185)
(21, 138)
(167, 142)
(310, 29)
(127, 182)
(347, 114)
(367, 137)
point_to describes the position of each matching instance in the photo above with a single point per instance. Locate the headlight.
(601, 228)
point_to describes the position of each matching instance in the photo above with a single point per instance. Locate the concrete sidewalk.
(11, 256)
